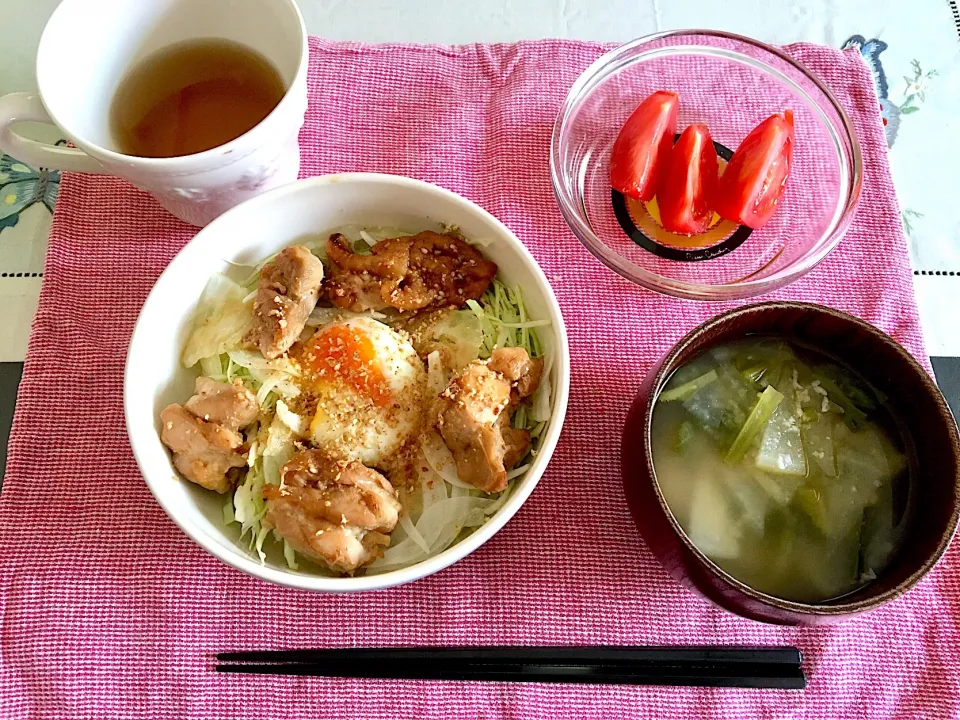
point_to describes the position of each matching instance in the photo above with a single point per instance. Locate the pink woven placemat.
(107, 610)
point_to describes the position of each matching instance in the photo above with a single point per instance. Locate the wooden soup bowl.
(930, 438)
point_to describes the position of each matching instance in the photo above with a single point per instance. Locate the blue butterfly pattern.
(21, 186)
(871, 49)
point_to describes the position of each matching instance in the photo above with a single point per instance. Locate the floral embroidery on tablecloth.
(914, 94)
(22, 186)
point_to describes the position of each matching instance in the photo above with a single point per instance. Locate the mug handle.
(27, 106)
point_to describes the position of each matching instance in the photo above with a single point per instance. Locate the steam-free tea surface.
(192, 97)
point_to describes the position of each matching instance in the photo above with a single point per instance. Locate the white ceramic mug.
(89, 45)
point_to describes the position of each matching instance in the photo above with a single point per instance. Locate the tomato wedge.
(689, 182)
(640, 150)
(754, 179)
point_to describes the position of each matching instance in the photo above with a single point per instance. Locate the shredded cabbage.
(432, 488)
(500, 501)
(258, 543)
(480, 242)
(212, 367)
(289, 418)
(255, 362)
(449, 508)
(407, 524)
(288, 553)
(220, 321)
(443, 509)
(271, 379)
(252, 453)
(460, 333)
(518, 471)
(438, 527)
(506, 323)
(324, 315)
(440, 460)
(442, 522)
(248, 506)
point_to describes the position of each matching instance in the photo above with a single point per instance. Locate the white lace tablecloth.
(913, 48)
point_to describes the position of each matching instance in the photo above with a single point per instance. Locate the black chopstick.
(710, 666)
(533, 653)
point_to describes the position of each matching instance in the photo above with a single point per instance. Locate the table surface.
(913, 48)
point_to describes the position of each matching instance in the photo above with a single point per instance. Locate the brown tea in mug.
(191, 97)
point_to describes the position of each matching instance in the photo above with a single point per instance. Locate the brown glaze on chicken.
(519, 368)
(474, 417)
(426, 270)
(288, 291)
(516, 442)
(203, 452)
(203, 433)
(336, 511)
(228, 404)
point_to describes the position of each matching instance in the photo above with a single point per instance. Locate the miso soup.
(784, 467)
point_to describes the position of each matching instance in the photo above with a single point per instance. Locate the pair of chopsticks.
(745, 667)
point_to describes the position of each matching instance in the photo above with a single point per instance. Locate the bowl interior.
(731, 84)
(255, 230)
(926, 423)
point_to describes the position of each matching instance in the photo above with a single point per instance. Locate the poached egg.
(367, 381)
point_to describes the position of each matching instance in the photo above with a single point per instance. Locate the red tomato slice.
(689, 181)
(754, 179)
(640, 150)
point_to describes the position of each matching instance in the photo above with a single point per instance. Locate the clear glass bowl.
(731, 83)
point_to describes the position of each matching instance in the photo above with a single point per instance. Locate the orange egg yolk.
(342, 354)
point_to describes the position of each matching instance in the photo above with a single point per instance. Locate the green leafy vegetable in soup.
(784, 467)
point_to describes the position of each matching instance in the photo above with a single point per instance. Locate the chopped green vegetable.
(503, 318)
(864, 396)
(852, 415)
(756, 374)
(685, 434)
(688, 389)
(504, 322)
(722, 406)
(769, 400)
